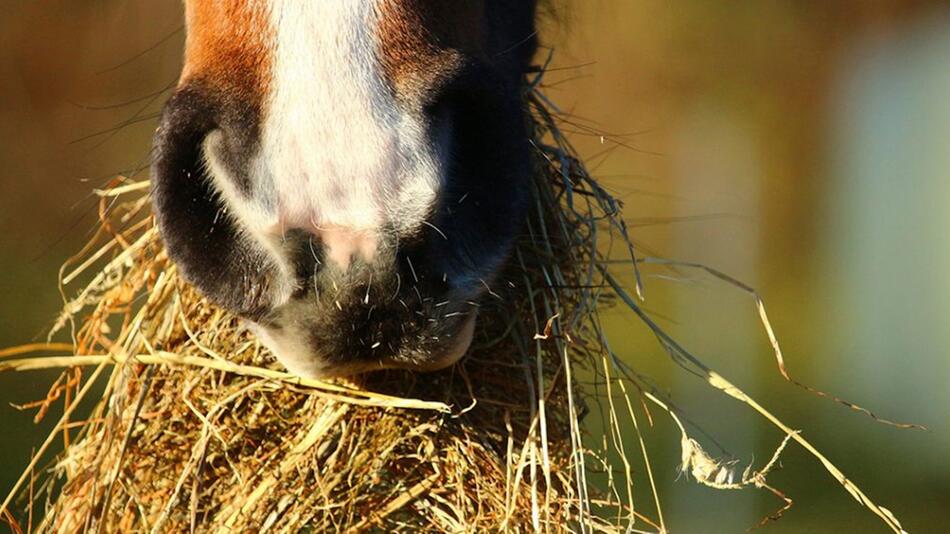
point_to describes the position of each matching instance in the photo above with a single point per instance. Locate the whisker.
(441, 233)
(412, 270)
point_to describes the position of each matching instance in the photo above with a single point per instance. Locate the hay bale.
(198, 428)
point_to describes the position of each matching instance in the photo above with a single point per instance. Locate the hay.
(197, 428)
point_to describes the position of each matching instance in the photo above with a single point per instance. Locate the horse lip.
(303, 363)
(462, 341)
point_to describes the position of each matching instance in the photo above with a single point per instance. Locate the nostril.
(210, 250)
(305, 257)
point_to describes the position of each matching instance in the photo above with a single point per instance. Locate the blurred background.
(802, 146)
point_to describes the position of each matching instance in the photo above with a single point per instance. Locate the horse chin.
(301, 361)
(461, 343)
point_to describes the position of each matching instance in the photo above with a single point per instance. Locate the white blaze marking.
(338, 157)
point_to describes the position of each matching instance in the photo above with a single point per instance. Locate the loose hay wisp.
(198, 429)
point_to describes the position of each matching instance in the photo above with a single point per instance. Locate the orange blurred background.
(801, 146)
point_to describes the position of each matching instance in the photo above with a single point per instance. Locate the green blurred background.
(800, 145)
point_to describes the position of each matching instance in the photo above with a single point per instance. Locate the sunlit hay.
(196, 427)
